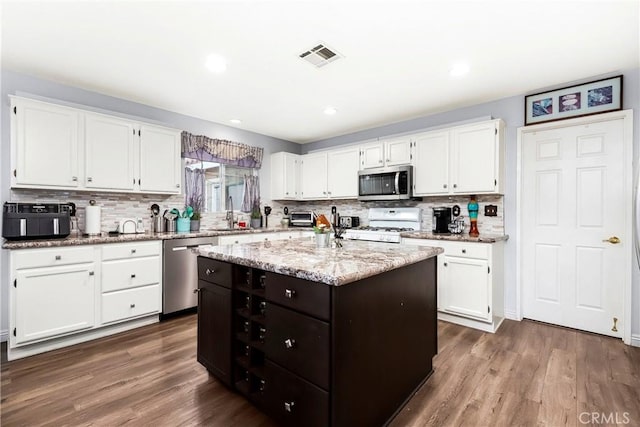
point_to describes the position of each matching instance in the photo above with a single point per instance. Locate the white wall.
(12, 83)
(511, 110)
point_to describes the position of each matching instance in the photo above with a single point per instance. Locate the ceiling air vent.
(320, 55)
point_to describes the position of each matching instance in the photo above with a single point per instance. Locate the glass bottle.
(473, 217)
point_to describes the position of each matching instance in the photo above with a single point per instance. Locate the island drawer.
(213, 271)
(292, 400)
(302, 295)
(298, 342)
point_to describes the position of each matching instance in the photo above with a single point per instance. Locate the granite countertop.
(124, 238)
(333, 266)
(464, 237)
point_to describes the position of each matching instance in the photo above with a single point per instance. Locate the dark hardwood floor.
(526, 374)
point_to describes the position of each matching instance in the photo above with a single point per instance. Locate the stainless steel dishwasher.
(180, 273)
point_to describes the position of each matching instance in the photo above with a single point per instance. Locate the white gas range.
(386, 224)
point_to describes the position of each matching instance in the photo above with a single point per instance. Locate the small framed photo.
(595, 97)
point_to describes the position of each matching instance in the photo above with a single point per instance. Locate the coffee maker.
(441, 220)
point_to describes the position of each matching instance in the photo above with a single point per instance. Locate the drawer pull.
(289, 343)
(262, 333)
(133, 251)
(288, 406)
(464, 251)
(209, 272)
(133, 276)
(289, 293)
(196, 290)
(58, 257)
(445, 264)
(263, 385)
(91, 273)
(263, 307)
(132, 306)
(262, 280)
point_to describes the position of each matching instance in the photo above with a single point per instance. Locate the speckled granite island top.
(333, 266)
(464, 237)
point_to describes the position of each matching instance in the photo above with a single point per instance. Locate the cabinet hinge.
(15, 172)
(139, 133)
(488, 309)
(138, 182)
(488, 270)
(14, 332)
(15, 110)
(15, 283)
(495, 182)
(495, 131)
(410, 156)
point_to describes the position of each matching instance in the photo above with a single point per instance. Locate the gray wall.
(12, 83)
(511, 110)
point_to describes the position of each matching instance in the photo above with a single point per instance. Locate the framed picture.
(594, 97)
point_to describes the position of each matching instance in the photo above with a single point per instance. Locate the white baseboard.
(4, 335)
(511, 315)
(490, 327)
(635, 340)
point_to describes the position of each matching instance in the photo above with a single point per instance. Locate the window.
(220, 182)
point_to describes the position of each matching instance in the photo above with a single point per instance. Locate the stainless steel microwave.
(391, 183)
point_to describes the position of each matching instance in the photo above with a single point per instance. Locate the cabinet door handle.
(132, 306)
(74, 178)
(89, 179)
(464, 251)
(388, 160)
(133, 251)
(288, 406)
(91, 273)
(444, 185)
(177, 185)
(380, 161)
(58, 257)
(445, 264)
(455, 185)
(133, 276)
(263, 385)
(196, 290)
(289, 293)
(209, 272)
(289, 343)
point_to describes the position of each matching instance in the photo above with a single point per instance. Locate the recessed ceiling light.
(216, 63)
(459, 69)
(330, 111)
(235, 121)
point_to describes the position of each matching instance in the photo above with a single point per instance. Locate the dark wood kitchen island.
(319, 337)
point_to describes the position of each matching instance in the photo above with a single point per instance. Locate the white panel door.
(342, 173)
(473, 161)
(109, 144)
(431, 163)
(372, 155)
(573, 201)
(160, 162)
(314, 176)
(54, 301)
(398, 151)
(46, 138)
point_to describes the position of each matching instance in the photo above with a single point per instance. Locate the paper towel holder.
(92, 219)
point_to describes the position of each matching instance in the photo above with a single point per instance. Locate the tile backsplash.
(118, 205)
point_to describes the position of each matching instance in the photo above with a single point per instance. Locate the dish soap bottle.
(473, 217)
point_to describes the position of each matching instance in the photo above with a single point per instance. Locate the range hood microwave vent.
(320, 55)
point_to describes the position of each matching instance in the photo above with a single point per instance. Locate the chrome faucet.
(229, 217)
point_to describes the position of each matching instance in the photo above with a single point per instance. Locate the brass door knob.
(613, 240)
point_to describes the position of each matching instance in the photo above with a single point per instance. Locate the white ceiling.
(397, 55)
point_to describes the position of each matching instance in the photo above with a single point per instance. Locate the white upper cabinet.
(431, 163)
(388, 152)
(372, 155)
(314, 176)
(342, 170)
(330, 174)
(44, 144)
(465, 159)
(475, 160)
(109, 152)
(160, 162)
(285, 176)
(59, 147)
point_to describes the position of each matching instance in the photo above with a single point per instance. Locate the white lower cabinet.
(53, 301)
(63, 296)
(235, 239)
(470, 282)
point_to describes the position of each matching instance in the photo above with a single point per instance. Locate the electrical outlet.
(490, 210)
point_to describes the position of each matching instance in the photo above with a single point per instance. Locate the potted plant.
(255, 215)
(196, 205)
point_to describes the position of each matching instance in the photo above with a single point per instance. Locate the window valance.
(221, 151)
